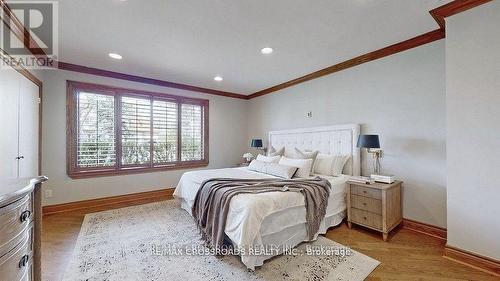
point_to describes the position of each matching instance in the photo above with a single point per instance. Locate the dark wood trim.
(427, 229)
(23, 34)
(155, 195)
(71, 132)
(19, 68)
(18, 29)
(144, 80)
(473, 260)
(384, 52)
(452, 8)
(439, 14)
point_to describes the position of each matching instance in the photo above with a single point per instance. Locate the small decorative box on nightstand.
(376, 206)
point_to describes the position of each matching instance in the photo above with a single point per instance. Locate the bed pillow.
(339, 162)
(268, 159)
(330, 165)
(274, 169)
(303, 166)
(323, 164)
(273, 152)
(299, 154)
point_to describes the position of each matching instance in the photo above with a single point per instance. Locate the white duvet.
(252, 216)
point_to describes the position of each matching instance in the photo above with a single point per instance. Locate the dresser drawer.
(18, 263)
(366, 218)
(14, 221)
(367, 204)
(366, 192)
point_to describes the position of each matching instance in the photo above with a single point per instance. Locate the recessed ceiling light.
(115, 56)
(266, 50)
(218, 78)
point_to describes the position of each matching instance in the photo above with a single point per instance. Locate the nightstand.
(376, 206)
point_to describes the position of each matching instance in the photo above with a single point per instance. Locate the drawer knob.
(364, 204)
(24, 261)
(364, 218)
(364, 191)
(25, 216)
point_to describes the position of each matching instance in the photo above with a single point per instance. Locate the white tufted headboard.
(338, 139)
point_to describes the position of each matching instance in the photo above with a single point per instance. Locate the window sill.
(129, 171)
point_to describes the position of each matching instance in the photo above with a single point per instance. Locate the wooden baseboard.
(427, 229)
(473, 260)
(155, 195)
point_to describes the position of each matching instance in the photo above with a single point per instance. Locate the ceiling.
(191, 41)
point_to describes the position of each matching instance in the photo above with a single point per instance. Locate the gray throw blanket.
(211, 204)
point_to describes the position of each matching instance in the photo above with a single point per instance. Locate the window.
(120, 131)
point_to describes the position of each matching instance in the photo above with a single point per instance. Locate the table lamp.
(257, 143)
(372, 145)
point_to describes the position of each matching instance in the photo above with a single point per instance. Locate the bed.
(278, 218)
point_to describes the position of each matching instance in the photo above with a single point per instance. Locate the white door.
(9, 109)
(28, 128)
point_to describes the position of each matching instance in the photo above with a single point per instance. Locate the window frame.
(73, 171)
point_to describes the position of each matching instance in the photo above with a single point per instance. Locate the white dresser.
(20, 229)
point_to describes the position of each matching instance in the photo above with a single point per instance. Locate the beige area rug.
(118, 245)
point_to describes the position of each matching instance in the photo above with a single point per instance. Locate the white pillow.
(339, 163)
(299, 154)
(323, 164)
(330, 165)
(268, 159)
(274, 169)
(273, 152)
(303, 165)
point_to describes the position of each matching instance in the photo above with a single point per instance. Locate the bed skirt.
(286, 238)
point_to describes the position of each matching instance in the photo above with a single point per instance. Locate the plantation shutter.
(165, 131)
(114, 131)
(96, 131)
(192, 132)
(136, 130)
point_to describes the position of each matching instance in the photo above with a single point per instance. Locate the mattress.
(277, 218)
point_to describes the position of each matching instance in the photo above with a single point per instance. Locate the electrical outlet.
(309, 114)
(48, 193)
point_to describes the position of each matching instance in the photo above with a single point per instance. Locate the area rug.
(142, 243)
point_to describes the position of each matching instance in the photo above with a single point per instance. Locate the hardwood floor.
(407, 256)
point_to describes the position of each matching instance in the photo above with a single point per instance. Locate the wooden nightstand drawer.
(366, 218)
(366, 192)
(367, 204)
(376, 206)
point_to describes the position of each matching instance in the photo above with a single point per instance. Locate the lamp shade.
(368, 141)
(256, 143)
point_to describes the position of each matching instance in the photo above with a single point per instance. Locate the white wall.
(473, 129)
(227, 126)
(401, 97)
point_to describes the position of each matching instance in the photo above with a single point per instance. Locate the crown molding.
(18, 29)
(144, 80)
(375, 55)
(453, 8)
(439, 14)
